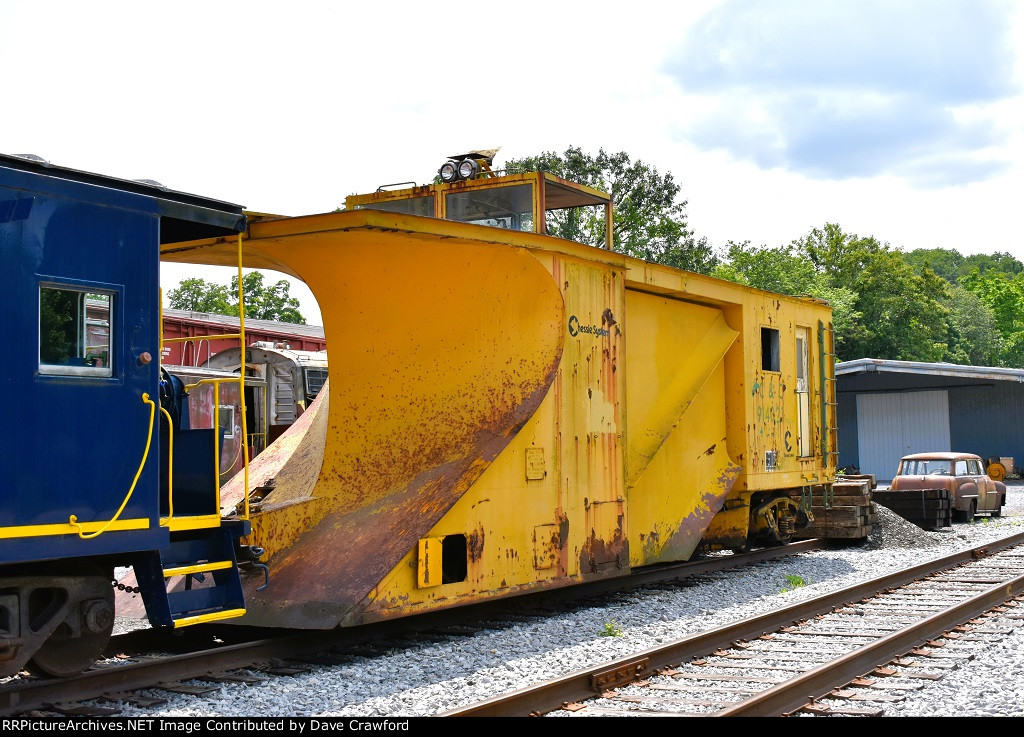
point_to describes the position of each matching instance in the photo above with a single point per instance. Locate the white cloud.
(290, 108)
(834, 89)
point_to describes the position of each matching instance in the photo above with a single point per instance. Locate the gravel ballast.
(435, 677)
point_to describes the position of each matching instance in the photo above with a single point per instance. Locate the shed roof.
(879, 365)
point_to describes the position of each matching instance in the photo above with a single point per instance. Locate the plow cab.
(468, 190)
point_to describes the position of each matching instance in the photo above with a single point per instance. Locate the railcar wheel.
(65, 654)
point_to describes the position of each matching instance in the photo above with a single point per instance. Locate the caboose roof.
(184, 216)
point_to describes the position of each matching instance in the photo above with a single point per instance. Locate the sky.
(898, 119)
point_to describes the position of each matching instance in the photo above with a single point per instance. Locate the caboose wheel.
(64, 654)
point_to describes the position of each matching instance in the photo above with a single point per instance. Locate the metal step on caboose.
(195, 579)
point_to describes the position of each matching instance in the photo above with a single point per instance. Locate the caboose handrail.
(73, 520)
(215, 383)
(186, 338)
(234, 459)
(170, 466)
(241, 385)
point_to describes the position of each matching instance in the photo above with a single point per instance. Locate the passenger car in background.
(971, 491)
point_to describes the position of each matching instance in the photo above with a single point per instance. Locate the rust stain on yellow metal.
(428, 571)
(569, 523)
(756, 411)
(441, 349)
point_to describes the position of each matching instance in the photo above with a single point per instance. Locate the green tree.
(943, 261)
(778, 269)
(199, 295)
(787, 270)
(650, 221)
(954, 266)
(974, 335)
(925, 305)
(266, 302)
(902, 315)
(840, 257)
(1001, 262)
(262, 301)
(881, 307)
(1004, 296)
(896, 313)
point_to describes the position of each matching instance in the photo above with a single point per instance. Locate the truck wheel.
(996, 471)
(966, 515)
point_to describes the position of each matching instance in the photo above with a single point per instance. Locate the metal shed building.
(888, 409)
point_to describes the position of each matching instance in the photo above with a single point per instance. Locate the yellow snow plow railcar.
(509, 411)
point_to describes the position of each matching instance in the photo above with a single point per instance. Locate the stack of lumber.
(858, 477)
(929, 509)
(841, 510)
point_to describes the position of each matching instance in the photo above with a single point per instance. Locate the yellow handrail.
(170, 466)
(216, 427)
(187, 338)
(234, 459)
(216, 438)
(216, 393)
(241, 383)
(73, 520)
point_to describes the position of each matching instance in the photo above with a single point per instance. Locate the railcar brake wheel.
(996, 471)
(64, 654)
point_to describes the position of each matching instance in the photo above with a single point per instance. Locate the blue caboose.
(87, 480)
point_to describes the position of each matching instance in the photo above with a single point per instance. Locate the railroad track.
(145, 663)
(867, 644)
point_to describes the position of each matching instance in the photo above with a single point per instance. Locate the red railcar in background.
(204, 327)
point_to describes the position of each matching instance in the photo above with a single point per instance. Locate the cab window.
(422, 206)
(503, 207)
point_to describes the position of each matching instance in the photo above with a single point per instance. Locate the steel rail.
(783, 699)
(233, 654)
(590, 682)
(147, 674)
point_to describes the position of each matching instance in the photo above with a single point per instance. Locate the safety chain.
(122, 587)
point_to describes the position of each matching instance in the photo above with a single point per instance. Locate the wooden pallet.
(929, 509)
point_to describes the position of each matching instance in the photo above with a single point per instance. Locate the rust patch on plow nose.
(427, 388)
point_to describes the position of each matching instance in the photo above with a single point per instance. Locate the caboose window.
(227, 421)
(74, 331)
(315, 379)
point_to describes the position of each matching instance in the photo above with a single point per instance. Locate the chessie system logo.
(575, 328)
